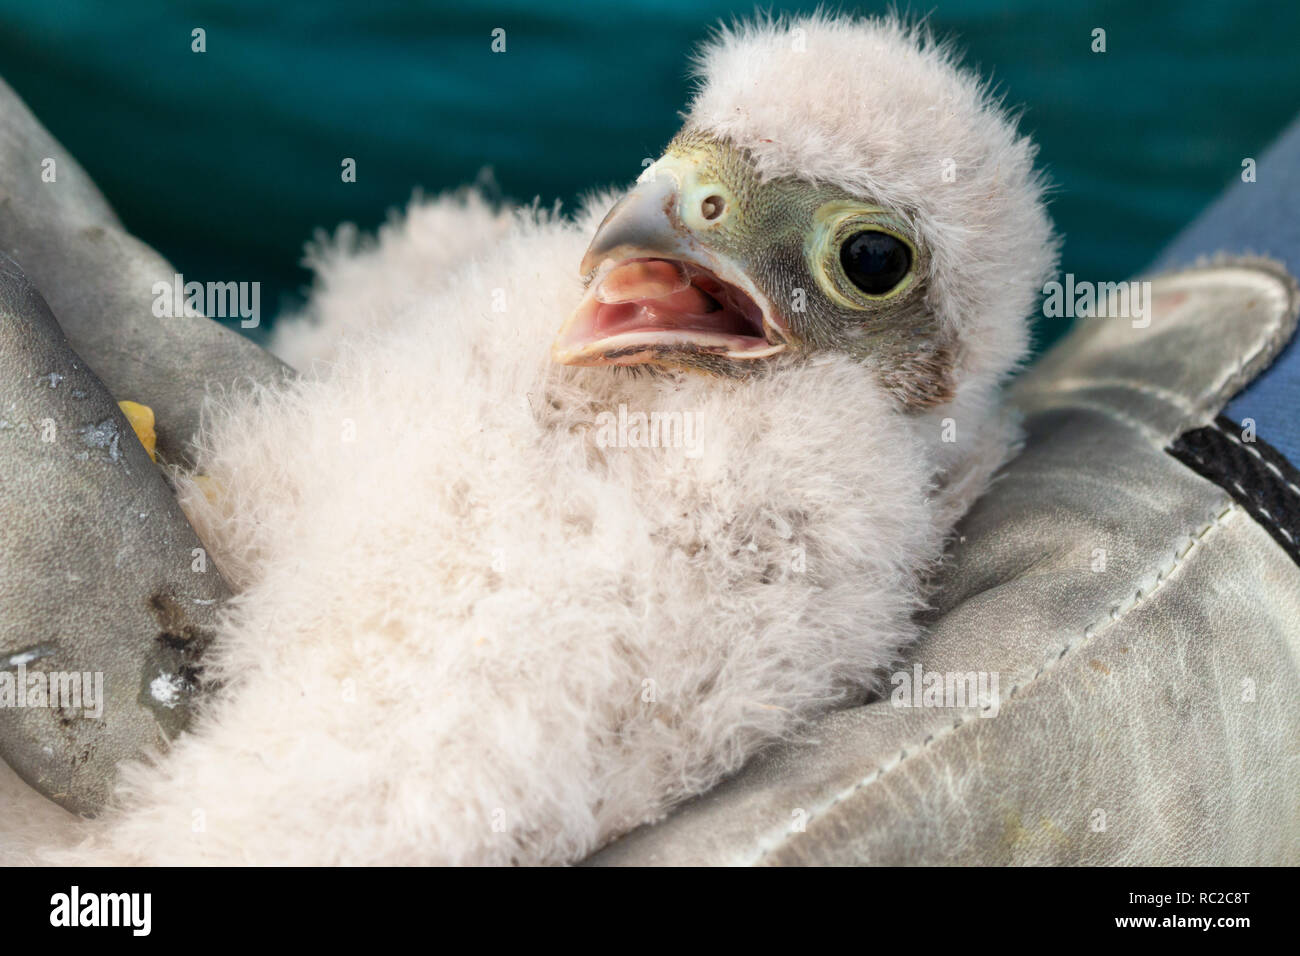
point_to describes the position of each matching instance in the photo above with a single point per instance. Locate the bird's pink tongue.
(642, 279)
(657, 293)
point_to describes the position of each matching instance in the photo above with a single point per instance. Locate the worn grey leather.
(96, 558)
(99, 568)
(98, 281)
(1149, 712)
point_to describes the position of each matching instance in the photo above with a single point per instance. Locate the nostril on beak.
(712, 207)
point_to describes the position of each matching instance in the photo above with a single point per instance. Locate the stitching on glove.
(1197, 408)
(1272, 342)
(1113, 617)
(1260, 478)
(1251, 450)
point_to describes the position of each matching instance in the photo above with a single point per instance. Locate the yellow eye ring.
(836, 222)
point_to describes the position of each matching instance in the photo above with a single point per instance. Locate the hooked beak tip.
(645, 220)
(655, 290)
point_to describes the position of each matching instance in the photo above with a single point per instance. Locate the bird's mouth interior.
(641, 308)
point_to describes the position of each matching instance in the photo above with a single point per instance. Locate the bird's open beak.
(657, 290)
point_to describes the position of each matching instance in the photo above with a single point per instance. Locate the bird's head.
(841, 186)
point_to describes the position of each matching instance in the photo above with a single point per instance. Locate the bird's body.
(493, 608)
(467, 632)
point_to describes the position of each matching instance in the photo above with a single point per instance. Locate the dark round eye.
(875, 261)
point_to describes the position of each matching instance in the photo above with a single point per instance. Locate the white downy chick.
(499, 608)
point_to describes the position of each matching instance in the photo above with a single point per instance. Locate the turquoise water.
(227, 161)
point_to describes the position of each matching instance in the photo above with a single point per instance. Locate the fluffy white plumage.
(466, 632)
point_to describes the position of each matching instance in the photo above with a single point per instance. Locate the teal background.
(226, 161)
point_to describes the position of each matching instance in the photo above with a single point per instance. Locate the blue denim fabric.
(1260, 217)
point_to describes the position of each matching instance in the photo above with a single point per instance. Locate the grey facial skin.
(780, 241)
